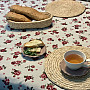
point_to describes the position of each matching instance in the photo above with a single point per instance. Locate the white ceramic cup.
(79, 65)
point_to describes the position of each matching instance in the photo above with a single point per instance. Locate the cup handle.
(88, 63)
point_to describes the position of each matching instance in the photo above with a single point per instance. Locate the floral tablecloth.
(18, 72)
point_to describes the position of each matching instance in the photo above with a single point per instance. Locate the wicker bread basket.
(34, 24)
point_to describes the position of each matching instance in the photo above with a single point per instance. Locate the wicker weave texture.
(34, 24)
(66, 8)
(54, 73)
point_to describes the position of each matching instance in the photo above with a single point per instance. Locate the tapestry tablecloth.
(18, 72)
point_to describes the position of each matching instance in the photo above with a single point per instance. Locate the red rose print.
(1, 68)
(3, 31)
(8, 41)
(17, 62)
(80, 31)
(28, 69)
(33, 6)
(3, 50)
(55, 31)
(17, 72)
(77, 26)
(43, 86)
(32, 2)
(2, 8)
(76, 42)
(15, 56)
(1, 26)
(49, 51)
(64, 29)
(42, 8)
(75, 20)
(88, 17)
(88, 24)
(64, 42)
(79, 45)
(49, 87)
(1, 57)
(83, 38)
(24, 61)
(10, 87)
(17, 53)
(64, 23)
(6, 81)
(54, 46)
(79, 21)
(8, 58)
(59, 39)
(32, 66)
(43, 4)
(43, 76)
(37, 33)
(31, 70)
(85, 30)
(1, 5)
(23, 37)
(28, 35)
(28, 78)
(68, 35)
(11, 35)
(44, 33)
(50, 39)
(84, 17)
(87, 12)
(13, 62)
(53, 22)
(18, 44)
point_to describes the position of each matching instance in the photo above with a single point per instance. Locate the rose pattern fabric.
(18, 72)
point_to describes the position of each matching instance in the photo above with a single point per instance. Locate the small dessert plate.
(79, 72)
(38, 54)
(43, 50)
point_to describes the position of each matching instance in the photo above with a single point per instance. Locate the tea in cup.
(75, 59)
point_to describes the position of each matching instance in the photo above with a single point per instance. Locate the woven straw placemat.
(63, 8)
(54, 73)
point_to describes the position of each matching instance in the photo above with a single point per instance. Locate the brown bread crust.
(28, 11)
(17, 17)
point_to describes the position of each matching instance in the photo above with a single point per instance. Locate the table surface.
(18, 72)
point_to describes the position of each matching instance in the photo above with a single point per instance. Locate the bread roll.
(34, 43)
(17, 17)
(28, 11)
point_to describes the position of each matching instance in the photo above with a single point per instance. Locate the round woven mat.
(63, 8)
(54, 73)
